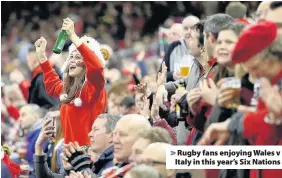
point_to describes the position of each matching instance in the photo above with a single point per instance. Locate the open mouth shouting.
(72, 67)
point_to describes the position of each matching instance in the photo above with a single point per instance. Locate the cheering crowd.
(218, 82)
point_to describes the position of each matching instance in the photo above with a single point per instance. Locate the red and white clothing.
(77, 121)
(258, 132)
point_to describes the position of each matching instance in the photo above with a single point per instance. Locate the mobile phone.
(52, 123)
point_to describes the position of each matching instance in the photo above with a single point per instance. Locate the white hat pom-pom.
(77, 102)
(63, 97)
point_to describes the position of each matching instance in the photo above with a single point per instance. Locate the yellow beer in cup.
(234, 86)
(184, 71)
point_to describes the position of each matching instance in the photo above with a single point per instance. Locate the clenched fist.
(40, 46)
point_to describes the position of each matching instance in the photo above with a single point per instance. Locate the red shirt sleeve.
(13, 112)
(52, 82)
(24, 86)
(253, 123)
(94, 68)
(163, 123)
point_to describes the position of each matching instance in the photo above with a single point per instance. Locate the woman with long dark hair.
(82, 91)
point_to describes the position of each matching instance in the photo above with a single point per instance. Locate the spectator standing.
(82, 92)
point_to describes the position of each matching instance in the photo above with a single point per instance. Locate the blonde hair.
(156, 134)
(119, 88)
(240, 71)
(58, 140)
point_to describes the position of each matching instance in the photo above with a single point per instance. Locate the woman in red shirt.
(82, 91)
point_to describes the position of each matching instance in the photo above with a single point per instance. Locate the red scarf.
(212, 61)
(14, 169)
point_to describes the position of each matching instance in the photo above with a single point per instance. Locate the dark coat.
(104, 162)
(37, 92)
(43, 171)
(221, 114)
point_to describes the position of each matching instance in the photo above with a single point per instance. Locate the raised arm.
(52, 82)
(94, 67)
(93, 60)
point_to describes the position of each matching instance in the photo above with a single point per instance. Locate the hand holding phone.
(48, 131)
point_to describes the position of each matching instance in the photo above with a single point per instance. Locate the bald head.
(156, 152)
(175, 32)
(191, 19)
(134, 123)
(33, 109)
(187, 24)
(275, 12)
(29, 114)
(262, 10)
(126, 133)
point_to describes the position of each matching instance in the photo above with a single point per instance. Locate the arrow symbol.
(172, 152)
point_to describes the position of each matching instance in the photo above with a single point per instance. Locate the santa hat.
(253, 40)
(104, 52)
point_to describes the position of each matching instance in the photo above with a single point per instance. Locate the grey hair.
(215, 23)
(36, 110)
(144, 171)
(235, 27)
(111, 121)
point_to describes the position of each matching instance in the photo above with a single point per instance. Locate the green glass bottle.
(60, 42)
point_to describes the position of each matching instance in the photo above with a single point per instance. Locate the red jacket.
(210, 173)
(260, 133)
(77, 121)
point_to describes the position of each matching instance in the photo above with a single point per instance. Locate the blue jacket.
(105, 161)
(32, 136)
